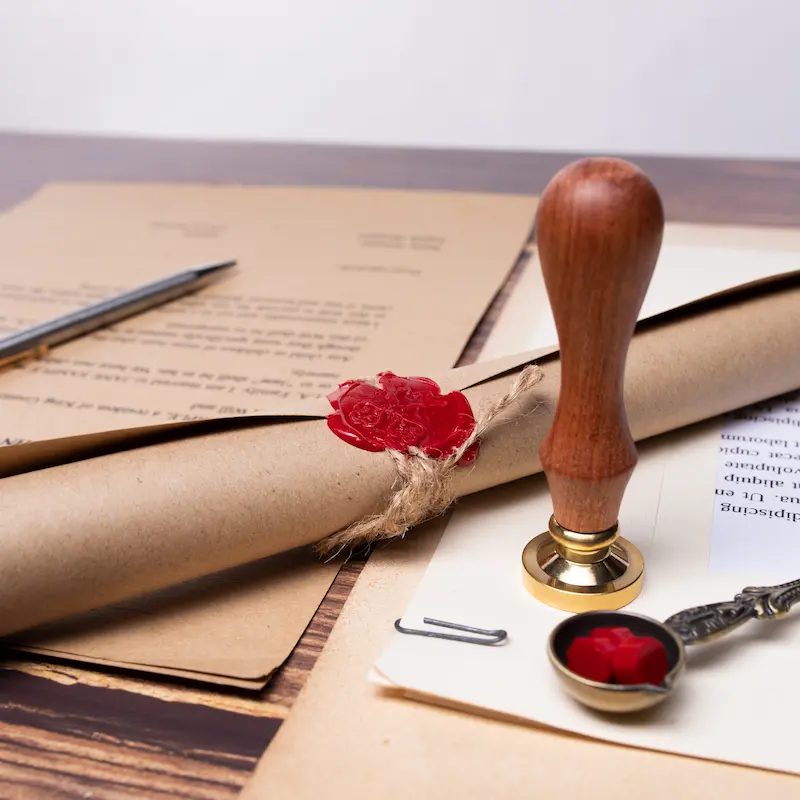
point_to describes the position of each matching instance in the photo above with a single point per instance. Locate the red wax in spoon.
(591, 658)
(641, 659)
(614, 635)
(615, 655)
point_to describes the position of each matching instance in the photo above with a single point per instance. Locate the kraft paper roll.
(105, 529)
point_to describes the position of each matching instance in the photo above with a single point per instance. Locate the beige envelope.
(364, 742)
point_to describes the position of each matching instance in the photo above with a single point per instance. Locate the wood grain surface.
(69, 732)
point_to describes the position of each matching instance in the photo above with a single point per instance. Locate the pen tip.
(217, 267)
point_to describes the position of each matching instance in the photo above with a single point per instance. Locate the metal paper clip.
(491, 636)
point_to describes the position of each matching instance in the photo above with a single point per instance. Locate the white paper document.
(737, 700)
(757, 513)
(684, 274)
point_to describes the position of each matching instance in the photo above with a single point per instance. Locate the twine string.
(423, 487)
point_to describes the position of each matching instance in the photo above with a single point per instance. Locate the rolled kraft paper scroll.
(98, 531)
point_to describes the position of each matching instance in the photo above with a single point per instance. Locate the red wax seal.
(402, 413)
(615, 655)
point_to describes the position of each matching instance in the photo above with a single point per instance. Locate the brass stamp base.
(586, 578)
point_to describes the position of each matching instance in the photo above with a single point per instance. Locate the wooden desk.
(73, 733)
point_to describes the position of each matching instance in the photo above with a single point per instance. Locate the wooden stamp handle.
(598, 229)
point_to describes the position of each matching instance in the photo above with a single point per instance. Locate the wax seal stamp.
(599, 227)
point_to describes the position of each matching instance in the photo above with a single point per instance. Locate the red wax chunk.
(616, 655)
(616, 635)
(642, 659)
(591, 658)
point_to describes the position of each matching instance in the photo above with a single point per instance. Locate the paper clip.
(492, 637)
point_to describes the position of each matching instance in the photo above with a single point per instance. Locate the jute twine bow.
(423, 488)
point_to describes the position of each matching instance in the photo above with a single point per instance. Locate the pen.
(36, 340)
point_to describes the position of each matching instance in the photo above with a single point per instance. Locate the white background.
(703, 77)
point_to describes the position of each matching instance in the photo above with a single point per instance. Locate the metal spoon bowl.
(612, 697)
(695, 625)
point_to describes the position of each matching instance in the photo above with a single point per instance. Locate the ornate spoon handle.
(703, 623)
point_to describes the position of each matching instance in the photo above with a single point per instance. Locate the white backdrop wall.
(702, 77)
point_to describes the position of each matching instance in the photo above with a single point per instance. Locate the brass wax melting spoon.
(696, 625)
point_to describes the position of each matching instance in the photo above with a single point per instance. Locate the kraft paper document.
(410, 749)
(232, 628)
(690, 495)
(330, 282)
(289, 483)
